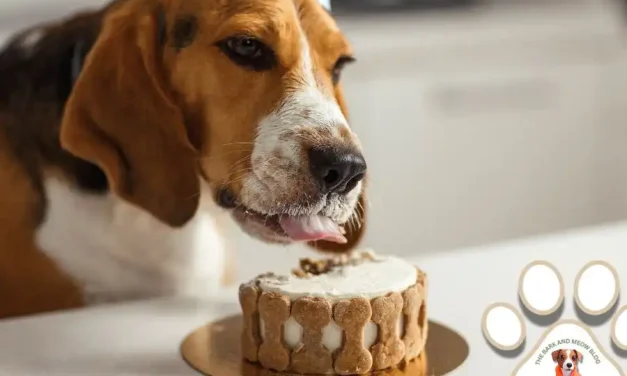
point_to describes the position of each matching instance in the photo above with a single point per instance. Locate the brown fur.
(30, 110)
(142, 114)
(29, 281)
(122, 117)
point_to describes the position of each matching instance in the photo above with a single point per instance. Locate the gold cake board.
(214, 350)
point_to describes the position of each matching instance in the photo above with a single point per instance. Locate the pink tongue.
(312, 228)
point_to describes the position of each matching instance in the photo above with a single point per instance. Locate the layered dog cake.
(343, 315)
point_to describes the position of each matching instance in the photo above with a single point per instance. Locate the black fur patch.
(35, 83)
(184, 31)
(162, 28)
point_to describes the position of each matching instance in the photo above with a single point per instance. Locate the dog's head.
(567, 360)
(243, 94)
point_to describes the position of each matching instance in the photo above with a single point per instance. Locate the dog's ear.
(555, 354)
(579, 356)
(354, 228)
(122, 117)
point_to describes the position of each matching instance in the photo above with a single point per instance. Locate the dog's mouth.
(292, 228)
(284, 227)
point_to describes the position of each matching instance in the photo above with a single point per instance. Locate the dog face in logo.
(567, 361)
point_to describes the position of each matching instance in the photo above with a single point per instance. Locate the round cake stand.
(214, 350)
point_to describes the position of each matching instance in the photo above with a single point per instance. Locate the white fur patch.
(117, 251)
(307, 106)
(277, 156)
(30, 40)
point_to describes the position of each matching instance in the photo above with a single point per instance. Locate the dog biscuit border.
(351, 315)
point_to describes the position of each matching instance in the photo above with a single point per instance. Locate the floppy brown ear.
(555, 354)
(355, 229)
(121, 117)
(579, 356)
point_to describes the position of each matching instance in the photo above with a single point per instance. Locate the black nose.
(335, 169)
(226, 199)
(569, 365)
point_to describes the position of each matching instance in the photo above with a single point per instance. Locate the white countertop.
(143, 338)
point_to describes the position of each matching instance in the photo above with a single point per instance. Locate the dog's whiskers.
(192, 196)
(221, 155)
(238, 143)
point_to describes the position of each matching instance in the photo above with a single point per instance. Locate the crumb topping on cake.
(361, 274)
(311, 267)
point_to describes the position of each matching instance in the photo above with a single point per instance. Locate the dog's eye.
(336, 72)
(248, 52)
(245, 47)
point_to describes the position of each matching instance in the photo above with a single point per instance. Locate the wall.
(491, 125)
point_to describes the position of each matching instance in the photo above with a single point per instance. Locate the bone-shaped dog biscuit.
(313, 314)
(415, 331)
(412, 331)
(422, 324)
(250, 338)
(274, 310)
(423, 289)
(389, 349)
(352, 316)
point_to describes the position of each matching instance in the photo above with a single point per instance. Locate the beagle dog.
(567, 362)
(129, 134)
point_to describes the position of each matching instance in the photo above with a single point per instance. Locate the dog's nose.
(336, 170)
(569, 365)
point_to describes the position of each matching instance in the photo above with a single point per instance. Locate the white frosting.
(368, 279)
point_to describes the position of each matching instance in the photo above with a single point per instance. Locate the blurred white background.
(480, 124)
(494, 123)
